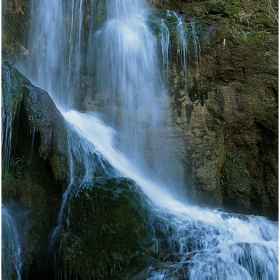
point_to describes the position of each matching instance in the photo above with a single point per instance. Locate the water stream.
(11, 258)
(133, 130)
(222, 245)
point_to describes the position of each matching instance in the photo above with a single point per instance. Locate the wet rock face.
(228, 119)
(106, 224)
(103, 231)
(15, 27)
(34, 135)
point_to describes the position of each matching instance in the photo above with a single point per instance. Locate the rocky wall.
(228, 117)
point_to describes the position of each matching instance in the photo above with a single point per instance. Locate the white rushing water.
(226, 246)
(122, 52)
(138, 107)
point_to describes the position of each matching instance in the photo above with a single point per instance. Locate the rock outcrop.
(34, 161)
(225, 111)
(227, 117)
(92, 225)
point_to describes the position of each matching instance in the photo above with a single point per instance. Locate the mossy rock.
(105, 227)
(40, 115)
(13, 90)
(32, 180)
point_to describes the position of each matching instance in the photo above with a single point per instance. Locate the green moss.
(45, 120)
(254, 37)
(215, 7)
(32, 194)
(232, 8)
(43, 151)
(13, 88)
(28, 176)
(105, 229)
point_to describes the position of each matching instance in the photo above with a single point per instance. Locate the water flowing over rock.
(163, 106)
(11, 251)
(219, 65)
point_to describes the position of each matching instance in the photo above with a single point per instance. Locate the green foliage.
(233, 160)
(215, 6)
(232, 8)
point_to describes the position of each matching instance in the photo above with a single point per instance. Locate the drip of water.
(182, 46)
(11, 258)
(6, 121)
(165, 44)
(33, 132)
(6, 141)
(197, 48)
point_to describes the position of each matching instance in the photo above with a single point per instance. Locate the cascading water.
(49, 31)
(11, 258)
(213, 244)
(128, 66)
(57, 45)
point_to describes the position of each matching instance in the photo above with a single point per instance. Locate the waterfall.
(128, 65)
(57, 45)
(221, 245)
(134, 101)
(134, 130)
(45, 58)
(11, 258)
